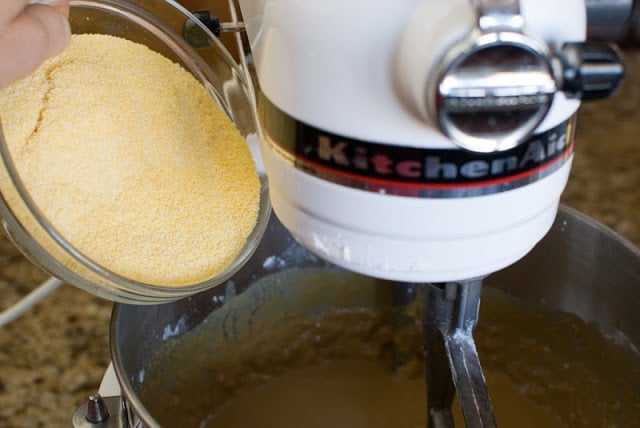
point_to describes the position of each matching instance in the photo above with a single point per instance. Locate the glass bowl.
(167, 28)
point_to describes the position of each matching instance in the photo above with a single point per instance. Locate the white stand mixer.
(355, 99)
(424, 142)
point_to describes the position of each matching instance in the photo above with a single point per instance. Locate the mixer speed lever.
(451, 361)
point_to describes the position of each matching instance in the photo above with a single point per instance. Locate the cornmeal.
(130, 159)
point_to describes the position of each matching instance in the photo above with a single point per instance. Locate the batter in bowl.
(291, 359)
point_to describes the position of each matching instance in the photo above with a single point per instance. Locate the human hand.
(30, 34)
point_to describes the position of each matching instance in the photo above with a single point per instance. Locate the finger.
(36, 34)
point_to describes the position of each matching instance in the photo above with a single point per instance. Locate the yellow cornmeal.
(131, 160)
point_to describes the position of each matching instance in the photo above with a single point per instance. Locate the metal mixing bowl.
(581, 267)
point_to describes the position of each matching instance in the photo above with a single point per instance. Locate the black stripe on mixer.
(408, 171)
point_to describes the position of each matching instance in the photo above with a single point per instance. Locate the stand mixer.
(428, 146)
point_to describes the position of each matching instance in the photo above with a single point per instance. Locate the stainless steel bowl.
(581, 267)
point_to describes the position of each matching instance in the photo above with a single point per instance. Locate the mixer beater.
(452, 365)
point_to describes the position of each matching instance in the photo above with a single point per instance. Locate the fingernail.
(67, 27)
(64, 38)
(62, 6)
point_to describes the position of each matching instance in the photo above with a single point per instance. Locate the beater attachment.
(451, 361)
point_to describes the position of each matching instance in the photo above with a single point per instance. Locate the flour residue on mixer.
(293, 255)
(176, 330)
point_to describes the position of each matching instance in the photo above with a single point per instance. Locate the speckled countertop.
(53, 357)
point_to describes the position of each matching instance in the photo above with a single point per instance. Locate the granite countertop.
(54, 357)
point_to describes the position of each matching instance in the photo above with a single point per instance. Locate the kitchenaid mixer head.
(359, 167)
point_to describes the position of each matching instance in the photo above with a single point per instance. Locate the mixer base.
(118, 414)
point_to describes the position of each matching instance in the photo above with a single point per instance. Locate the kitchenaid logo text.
(410, 171)
(396, 163)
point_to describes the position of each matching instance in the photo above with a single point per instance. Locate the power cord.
(27, 302)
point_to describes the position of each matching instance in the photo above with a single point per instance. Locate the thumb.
(36, 34)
